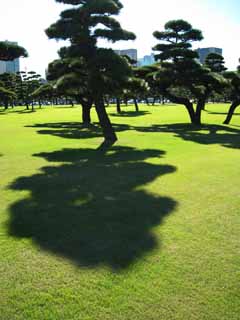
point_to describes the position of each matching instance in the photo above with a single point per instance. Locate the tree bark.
(86, 114)
(5, 105)
(108, 132)
(200, 107)
(136, 105)
(233, 107)
(118, 106)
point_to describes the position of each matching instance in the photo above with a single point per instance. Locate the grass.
(148, 231)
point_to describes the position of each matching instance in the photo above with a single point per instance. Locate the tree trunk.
(147, 102)
(154, 100)
(136, 105)
(200, 107)
(86, 114)
(108, 132)
(118, 106)
(186, 102)
(107, 101)
(234, 105)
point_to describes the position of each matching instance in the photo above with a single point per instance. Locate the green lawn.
(148, 231)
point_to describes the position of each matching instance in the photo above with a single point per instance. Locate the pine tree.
(180, 68)
(83, 24)
(70, 77)
(10, 51)
(234, 86)
(215, 62)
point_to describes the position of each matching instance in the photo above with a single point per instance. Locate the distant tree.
(180, 68)
(9, 83)
(27, 83)
(44, 92)
(215, 62)
(148, 73)
(70, 78)
(6, 95)
(83, 24)
(135, 88)
(9, 52)
(234, 88)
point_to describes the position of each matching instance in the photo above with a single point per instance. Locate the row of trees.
(91, 75)
(9, 52)
(20, 88)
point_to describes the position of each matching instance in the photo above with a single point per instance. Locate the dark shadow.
(204, 134)
(64, 106)
(93, 209)
(12, 111)
(130, 114)
(75, 130)
(222, 113)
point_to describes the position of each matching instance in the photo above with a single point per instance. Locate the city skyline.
(217, 19)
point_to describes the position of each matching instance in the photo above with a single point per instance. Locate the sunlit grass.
(148, 231)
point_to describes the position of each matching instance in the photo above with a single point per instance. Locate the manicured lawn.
(148, 231)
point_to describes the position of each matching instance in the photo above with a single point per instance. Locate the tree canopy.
(83, 24)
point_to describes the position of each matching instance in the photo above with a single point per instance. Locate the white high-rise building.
(131, 53)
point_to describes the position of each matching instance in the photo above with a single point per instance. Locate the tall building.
(204, 52)
(146, 60)
(10, 66)
(131, 53)
(3, 67)
(13, 66)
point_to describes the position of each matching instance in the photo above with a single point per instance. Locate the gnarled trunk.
(118, 106)
(200, 107)
(86, 114)
(108, 132)
(233, 107)
(186, 102)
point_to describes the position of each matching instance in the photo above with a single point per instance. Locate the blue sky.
(25, 21)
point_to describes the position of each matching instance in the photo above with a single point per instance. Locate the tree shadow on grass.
(11, 111)
(222, 113)
(93, 209)
(129, 114)
(205, 134)
(75, 130)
